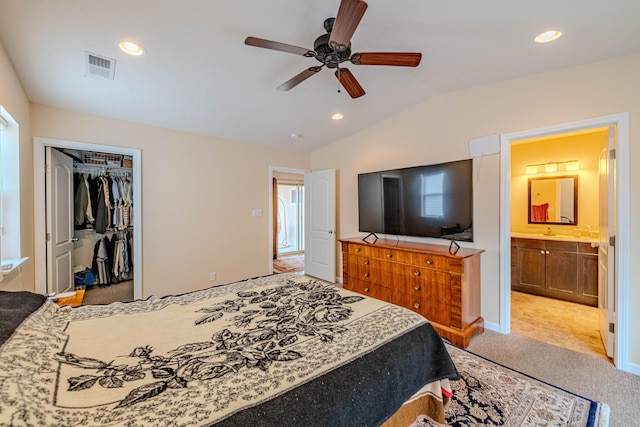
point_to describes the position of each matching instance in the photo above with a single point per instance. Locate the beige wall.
(197, 196)
(439, 129)
(582, 147)
(14, 100)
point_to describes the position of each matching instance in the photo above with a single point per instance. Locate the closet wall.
(103, 215)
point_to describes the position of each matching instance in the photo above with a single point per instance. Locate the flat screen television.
(422, 201)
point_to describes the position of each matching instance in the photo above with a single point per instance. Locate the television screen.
(423, 201)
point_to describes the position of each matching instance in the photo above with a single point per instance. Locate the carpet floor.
(493, 395)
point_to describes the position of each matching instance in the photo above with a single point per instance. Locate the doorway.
(620, 121)
(40, 206)
(290, 217)
(286, 220)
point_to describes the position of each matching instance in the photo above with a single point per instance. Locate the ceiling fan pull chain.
(338, 69)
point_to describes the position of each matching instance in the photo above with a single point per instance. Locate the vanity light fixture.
(531, 169)
(131, 48)
(569, 165)
(548, 36)
(572, 165)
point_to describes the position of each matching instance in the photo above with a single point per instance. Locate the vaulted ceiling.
(197, 74)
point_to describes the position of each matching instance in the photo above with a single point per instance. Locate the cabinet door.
(588, 279)
(562, 274)
(531, 271)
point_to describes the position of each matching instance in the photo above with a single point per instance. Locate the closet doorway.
(97, 160)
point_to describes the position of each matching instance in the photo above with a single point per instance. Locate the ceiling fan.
(334, 48)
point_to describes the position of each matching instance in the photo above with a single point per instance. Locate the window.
(9, 191)
(432, 195)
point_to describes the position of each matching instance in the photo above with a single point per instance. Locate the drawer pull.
(429, 262)
(366, 290)
(389, 255)
(366, 274)
(416, 287)
(357, 249)
(416, 273)
(416, 305)
(366, 262)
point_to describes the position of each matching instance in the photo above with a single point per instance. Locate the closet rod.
(102, 169)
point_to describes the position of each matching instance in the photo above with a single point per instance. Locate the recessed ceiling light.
(132, 48)
(548, 36)
(337, 116)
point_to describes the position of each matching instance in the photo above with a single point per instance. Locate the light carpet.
(493, 395)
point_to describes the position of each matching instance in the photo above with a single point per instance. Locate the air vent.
(101, 66)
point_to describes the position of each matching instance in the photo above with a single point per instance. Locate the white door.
(320, 224)
(606, 251)
(59, 234)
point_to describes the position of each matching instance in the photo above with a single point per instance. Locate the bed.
(280, 350)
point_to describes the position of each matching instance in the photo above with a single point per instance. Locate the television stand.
(442, 286)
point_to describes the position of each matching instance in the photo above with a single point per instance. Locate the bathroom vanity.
(555, 267)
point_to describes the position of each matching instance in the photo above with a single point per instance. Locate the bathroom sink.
(559, 237)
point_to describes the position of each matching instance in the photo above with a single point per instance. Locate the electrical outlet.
(212, 276)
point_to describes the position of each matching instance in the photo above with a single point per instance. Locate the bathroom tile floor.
(565, 324)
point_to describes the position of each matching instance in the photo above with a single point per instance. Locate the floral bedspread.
(276, 350)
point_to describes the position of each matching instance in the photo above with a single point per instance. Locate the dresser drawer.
(434, 311)
(433, 261)
(379, 253)
(370, 289)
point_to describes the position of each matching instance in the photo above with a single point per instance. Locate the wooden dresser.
(426, 278)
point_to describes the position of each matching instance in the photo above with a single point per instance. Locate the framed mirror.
(553, 200)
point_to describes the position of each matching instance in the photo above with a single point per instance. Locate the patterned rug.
(289, 264)
(493, 395)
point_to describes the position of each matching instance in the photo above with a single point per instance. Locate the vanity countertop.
(557, 237)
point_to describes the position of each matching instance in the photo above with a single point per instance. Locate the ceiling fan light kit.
(334, 48)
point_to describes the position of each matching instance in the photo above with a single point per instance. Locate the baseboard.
(633, 368)
(492, 326)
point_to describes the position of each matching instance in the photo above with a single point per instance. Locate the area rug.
(289, 264)
(493, 395)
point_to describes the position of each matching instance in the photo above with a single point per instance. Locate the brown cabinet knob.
(366, 289)
(416, 305)
(357, 249)
(416, 287)
(366, 274)
(429, 262)
(389, 255)
(416, 273)
(366, 262)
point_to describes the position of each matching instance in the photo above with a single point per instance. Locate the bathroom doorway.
(509, 197)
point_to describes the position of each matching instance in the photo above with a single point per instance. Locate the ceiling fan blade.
(349, 15)
(296, 80)
(282, 47)
(349, 82)
(400, 59)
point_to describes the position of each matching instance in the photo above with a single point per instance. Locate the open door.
(320, 224)
(59, 228)
(606, 247)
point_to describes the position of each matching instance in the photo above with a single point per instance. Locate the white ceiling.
(198, 76)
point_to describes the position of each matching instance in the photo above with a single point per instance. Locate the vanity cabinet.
(444, 287)
(555, 269)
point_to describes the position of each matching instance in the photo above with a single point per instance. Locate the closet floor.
(106, 294)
